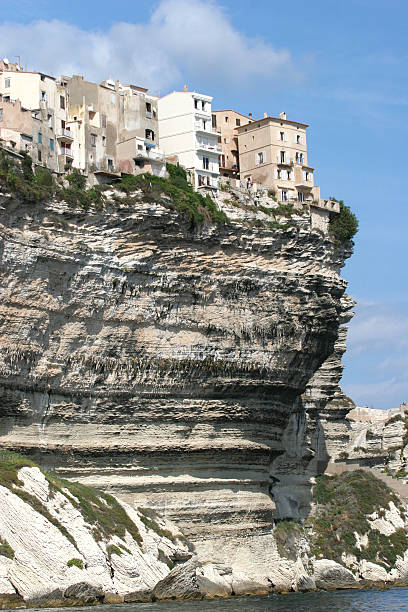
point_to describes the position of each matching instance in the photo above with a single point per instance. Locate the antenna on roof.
(185, 88)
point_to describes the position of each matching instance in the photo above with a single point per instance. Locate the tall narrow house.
(186, 131)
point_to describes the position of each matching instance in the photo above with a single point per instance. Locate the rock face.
(57, 554)
(182, 369)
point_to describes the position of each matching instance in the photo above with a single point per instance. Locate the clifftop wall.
(169, 365)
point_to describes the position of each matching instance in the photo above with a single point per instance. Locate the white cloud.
(184, 39)
(378, 326)
(376, 361)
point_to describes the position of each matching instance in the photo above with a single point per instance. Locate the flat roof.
(191, 93)
(265, 120)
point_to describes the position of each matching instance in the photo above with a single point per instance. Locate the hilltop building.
(226, 122)
(45, 98)
(186, 131)
(101, 129)
(273, 152)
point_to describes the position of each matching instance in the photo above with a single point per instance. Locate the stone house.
(273, 152)
(226, 122)
(102, 117)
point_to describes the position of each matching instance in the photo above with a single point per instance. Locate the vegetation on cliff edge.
(343, 226)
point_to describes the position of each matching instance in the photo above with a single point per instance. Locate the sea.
(389, 600)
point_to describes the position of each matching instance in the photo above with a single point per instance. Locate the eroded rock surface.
(184, 369)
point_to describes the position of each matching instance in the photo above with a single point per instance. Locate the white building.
(186, 131)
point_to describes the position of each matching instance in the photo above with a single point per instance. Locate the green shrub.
(76, 179)
(76, 563)
(6, 550)
(113, 550)
(43, 177)
(342, 506)
(344, 225)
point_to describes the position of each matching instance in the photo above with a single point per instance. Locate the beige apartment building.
(45, 98)
(273, 153)
(226, 122)
(108, 121)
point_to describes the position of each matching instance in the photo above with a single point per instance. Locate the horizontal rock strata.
(168, 365)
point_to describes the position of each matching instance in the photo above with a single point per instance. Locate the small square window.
(51, 144)
(6, 83)
(237, 122)
(62, 102)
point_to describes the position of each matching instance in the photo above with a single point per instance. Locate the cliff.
(179, 366)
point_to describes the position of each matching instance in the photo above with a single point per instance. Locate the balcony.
(65, 135)
(207, 130)
(215, 148)
(67, 152)
(286, 162)
(149, 153)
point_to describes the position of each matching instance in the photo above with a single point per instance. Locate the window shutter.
(278, 135)
(285, 137)
(256, 159)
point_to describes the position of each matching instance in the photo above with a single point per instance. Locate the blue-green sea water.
(336, 601)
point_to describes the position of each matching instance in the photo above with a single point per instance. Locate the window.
(1, 114)
(261, 158)
(103, 121)
(104, 141)
(203, 105)
(307, 176)
(6, 83)
(49, 120)
(149, 134)
(301, 197)
(51, 144)
(226, 119)
(93, 140)
(289, 175)
(226, 140)
(113, 98)
(195, 103)
(279, 174)
(282, 157)
(110, 165)
(298, 138)
(282, 135)
(237, 122)
(62, 124)
(284, 195)
(206, 163)
(214, 121)
(62, 102)
(39, 155)
(44, 96)
(39, 138)
(148, 107)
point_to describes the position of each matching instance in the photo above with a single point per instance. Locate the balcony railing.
(216, 148)
(148, 154)
(65, 134)
(67, 152)
(200, 128)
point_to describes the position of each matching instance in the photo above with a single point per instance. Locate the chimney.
(282, 115)
(185, 88)
(250, 115)
(265, 115)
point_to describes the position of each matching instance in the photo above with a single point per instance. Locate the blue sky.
(339, 66)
